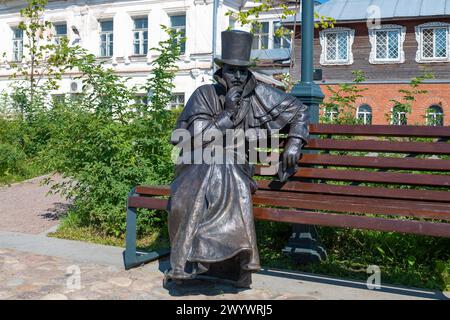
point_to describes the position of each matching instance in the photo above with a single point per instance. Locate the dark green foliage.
(110, 143)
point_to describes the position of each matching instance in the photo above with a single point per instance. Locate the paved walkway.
(33, 266)
(37, 267)
(24, 207)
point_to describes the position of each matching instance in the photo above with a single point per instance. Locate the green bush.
(11, 160)
(106, 142)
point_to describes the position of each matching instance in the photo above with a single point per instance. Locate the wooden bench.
(349, 177)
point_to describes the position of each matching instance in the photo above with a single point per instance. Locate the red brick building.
(391, 42)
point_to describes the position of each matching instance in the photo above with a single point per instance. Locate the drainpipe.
(304, 244)
(214, 31)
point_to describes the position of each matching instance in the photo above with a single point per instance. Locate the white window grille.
(106, 38)
(280, 42)
(17, 44)
(387, 44)
(331, 114)
(399, 117)
(336, 46)
(434, 42)
(140, 36)
(364, 114)
(261, 36)
(178, 23)
(435, 116)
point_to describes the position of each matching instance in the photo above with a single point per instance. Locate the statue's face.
(234, 76)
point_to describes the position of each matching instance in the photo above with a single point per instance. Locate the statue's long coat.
(210, 208)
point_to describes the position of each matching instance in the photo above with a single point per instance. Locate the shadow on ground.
(212, 287)
(202, 285)
(386, 288)
(55, 213)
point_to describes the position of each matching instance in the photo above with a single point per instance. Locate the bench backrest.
(386, 170)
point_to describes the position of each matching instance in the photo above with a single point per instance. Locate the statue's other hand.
(291, 154)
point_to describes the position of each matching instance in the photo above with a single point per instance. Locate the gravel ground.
(25, 208)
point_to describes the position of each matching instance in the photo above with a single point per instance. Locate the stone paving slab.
(26, 208)
(90, 271)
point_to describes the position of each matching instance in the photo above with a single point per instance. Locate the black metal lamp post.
(304, 243)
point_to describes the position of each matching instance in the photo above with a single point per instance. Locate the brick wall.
(378, 96)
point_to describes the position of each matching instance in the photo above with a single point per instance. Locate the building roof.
(356, 10)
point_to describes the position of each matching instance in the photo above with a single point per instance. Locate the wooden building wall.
(361, 50)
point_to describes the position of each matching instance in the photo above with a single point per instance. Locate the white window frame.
(60, 36)
(435, 115)
(179, 28)
(331, 114)
(17, 45)
(419, 38)
(173, 102)
(107, 44)
(323, 42)
(365, 114)
(257, 35)
(141, 37)
(283, 39)
(373, 41)
(399, 114)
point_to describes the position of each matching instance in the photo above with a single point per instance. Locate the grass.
(153, 240)
(28, 171)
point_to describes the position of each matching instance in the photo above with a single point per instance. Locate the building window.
(399, 116)
(336, 46)
(140, 36)
(331, 114)
(364, 114)
(387, 44)
(60, 32)
(106, 38)
(178, 23)
(58, 99)
(261, 36)
(17, 44)
(177, 101)
(434, 42)
(435, 116)
(280, 42)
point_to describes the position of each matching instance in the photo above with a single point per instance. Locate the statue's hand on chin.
(232, 100)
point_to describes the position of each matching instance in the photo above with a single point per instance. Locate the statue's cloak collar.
(265, 106)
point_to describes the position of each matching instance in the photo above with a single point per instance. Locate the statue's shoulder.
(270, 96)
(207, 89)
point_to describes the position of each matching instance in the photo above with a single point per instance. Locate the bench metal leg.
(131, 257)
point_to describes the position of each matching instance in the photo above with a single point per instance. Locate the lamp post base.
(304, 245)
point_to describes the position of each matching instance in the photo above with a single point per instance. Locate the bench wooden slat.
(376, 162)
(380, 130)
(378, 192)
(325, 219)
(376, 177)
(352, 204)
(147, 203)
(348, 221)
(407, 194)
(379, 146)
(153, 190)
(330, 203)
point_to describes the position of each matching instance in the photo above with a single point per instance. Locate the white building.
(122, 32)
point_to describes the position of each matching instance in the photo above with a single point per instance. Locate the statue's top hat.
(236, 48)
